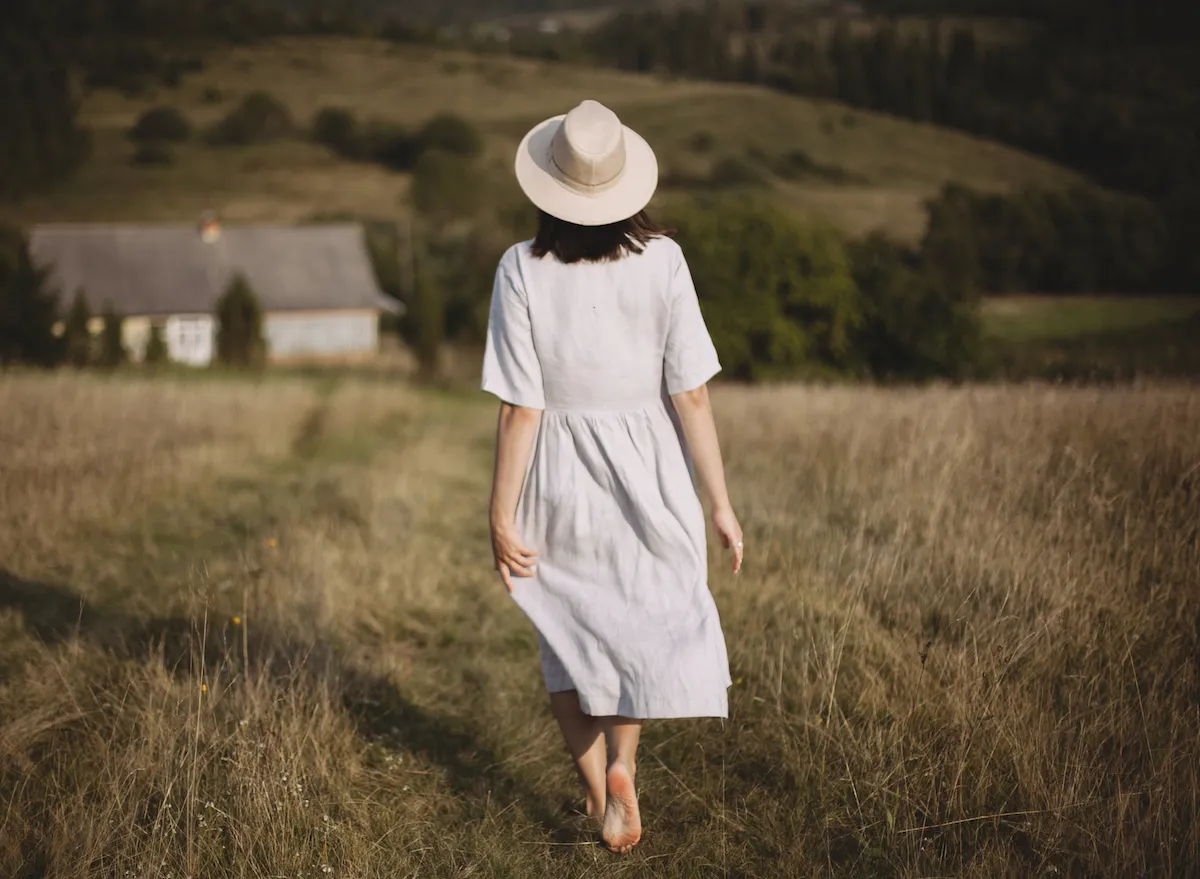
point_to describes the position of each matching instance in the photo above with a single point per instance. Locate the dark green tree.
(450, 134)
(240, 339)
(779, 298)
(159, 125)
(77, 334)
(112, 343)
(42, 140)
(916, 324)
(156, 346)
(28, 308)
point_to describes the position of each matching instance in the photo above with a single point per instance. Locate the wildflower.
(204, 688)
(738, 682)
(270, 543)
(237, 621)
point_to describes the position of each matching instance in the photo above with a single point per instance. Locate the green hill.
(856, 169)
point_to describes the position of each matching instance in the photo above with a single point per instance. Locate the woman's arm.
(696, 416)
(516, 430)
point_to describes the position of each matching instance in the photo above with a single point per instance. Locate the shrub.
(702, 141)
(153, 155)
(736, 171)
(77, 334)
(212, 95)
(337, 128)
(28, 308)
(450, 134)
(161, 124)
(779, 299)
(392, 146)
(917, 324)
(259, 118)
(156, 347)
(446, 186)
(112, 345)
(239, 325)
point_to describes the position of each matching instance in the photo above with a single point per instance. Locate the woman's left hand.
(513, 558)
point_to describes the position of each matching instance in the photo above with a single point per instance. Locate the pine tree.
(156, 347)
(77, 335)
(239, 326)
(112, 346)
(28, 309)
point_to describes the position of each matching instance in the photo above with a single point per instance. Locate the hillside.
(872, 171)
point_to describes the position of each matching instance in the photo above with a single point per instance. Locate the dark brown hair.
(571, 243)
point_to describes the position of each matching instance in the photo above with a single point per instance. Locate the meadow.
(248, 627)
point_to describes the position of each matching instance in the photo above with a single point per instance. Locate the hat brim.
(537, 178)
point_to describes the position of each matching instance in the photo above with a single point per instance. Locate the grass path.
(286, 654)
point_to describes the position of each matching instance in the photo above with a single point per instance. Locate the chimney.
(210, 227)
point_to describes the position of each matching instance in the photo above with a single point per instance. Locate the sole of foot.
(622, 827)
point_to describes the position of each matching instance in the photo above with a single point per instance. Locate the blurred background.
(892, 189)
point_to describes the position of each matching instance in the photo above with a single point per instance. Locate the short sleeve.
(690, 358)
(511, 369)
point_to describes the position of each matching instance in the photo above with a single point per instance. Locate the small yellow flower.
(204, 688)
(738, 682)
(237, 621)
(270, 543)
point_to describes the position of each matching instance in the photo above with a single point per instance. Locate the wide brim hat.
(587, 168)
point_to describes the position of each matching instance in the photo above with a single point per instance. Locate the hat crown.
(589, 148)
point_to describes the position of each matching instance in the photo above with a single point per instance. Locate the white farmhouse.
(315, 284)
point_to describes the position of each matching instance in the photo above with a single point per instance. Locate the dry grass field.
(249, 629)
(894, 165)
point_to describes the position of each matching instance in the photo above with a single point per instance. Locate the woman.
(598, 352)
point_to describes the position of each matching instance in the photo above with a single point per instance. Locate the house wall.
(290, 336)
(321, 335)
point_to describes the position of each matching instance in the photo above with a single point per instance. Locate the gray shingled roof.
(160, 270)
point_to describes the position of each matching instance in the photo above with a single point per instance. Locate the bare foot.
(622, 827)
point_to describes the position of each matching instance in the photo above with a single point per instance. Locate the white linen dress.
(620, 598)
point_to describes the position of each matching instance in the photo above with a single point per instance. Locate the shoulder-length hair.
(569, 243)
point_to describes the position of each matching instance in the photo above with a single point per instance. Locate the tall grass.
(254, 633)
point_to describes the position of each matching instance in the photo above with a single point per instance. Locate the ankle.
(628, 765)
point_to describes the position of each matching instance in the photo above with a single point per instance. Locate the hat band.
(577, 185)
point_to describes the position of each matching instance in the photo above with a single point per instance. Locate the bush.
(153, 155)
(735, 171)
(112, 344)
(450, 134)
(259, 118)
(445, 186)
(779, 299)
(917, 324)
(161, 124)
(240, 340)
(28, 308)
(156, 347)
(337, 128)
(702, 141)
(77, 334)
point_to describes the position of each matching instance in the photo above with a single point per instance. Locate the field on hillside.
(886, 167)
(249, 628)
(1092, 337)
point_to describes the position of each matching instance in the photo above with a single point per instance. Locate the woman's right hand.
(513, 559)
(726, 525)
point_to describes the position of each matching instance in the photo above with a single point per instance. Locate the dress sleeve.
(511, 369)
(690, 359)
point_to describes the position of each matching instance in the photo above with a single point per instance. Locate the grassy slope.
(899, 163)
(960, 609)
(1100, 337)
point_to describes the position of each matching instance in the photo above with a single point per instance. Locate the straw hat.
(586, 167)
